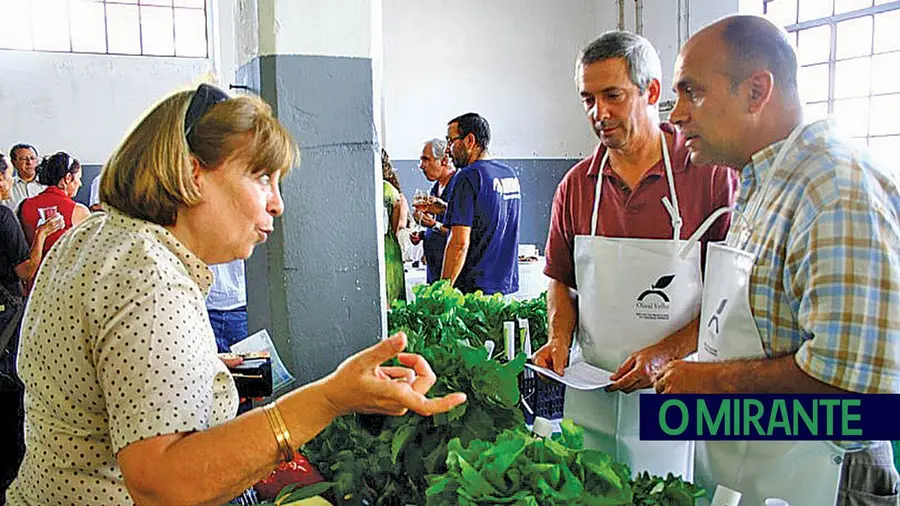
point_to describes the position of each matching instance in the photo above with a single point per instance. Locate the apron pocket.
(858, 498)
(869, 478)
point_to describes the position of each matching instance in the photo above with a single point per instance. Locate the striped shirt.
(826, 284)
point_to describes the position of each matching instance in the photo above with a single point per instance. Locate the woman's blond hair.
(150, 175)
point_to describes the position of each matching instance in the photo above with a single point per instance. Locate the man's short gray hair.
(438, 147)
(640, 56)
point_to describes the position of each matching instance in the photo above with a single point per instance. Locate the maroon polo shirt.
(637, 212)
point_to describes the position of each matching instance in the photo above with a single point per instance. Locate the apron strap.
(763, 191)
(670, 205)
(702, 229)
(596, 211)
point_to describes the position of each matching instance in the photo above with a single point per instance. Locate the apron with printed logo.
(631, 294)
(804, 473)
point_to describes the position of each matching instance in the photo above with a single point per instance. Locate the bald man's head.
(750, 44)
(736, 82)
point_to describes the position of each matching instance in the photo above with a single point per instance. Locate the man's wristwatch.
(437, 227)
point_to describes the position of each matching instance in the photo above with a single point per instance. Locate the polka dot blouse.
(116, 347)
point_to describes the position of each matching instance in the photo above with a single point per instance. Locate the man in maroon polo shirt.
(642, 163)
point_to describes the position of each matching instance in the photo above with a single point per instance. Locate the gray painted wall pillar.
(317, 285)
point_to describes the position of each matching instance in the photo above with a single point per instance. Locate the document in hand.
(261, 342)
(580, 375)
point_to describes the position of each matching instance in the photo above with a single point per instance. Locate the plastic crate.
(541, 397)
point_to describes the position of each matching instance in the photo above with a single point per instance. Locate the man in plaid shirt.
(823, 225)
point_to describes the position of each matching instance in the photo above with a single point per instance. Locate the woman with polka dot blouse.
(126, 401)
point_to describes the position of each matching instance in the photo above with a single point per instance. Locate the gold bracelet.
(282, 435)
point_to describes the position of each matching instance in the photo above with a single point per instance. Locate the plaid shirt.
(826, 284)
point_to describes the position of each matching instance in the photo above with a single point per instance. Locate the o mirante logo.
(773, 417)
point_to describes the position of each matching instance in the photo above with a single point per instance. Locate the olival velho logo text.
(713, 324)
(654, 304)
(712, 327)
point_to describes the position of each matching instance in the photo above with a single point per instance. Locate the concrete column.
(318, 284)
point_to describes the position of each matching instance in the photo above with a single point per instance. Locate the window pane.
(155, 2)
(814, 45)
(190, 32)
(782, 12)
(124, 29)
(190, 3)
(813, 83)
(887, 26)
(852, 116)
(884, 115)
(841, 6)
(88, 27)
(885, 150)
(854, 37)
(886, 73)
(814, 112)
(814, 9)
(157, 32)
(16, 30)
(851, 78)
(51, 30)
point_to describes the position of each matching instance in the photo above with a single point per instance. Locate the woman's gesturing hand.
(362, 384)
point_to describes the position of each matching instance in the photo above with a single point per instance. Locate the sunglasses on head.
(203, 100)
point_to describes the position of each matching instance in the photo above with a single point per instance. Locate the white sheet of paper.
(580, 375)
(262, 342)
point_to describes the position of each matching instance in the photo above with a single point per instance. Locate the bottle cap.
(724, 496)
(542, 427)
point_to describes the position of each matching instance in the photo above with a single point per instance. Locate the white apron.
(804, 473)
(631, 293)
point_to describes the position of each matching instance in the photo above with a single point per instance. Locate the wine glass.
(420, 198)
(46, 213)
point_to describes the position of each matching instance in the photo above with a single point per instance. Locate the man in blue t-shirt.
(483, 213)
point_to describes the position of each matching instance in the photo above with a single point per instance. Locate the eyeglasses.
(203, 100)
(451, 140)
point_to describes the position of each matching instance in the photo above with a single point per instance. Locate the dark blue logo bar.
(769, 417)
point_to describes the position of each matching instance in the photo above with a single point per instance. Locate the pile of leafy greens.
(378, 460)
(523, 470)
(441, 312)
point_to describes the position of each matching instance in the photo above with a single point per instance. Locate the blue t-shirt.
(486, 197)
(436, 243)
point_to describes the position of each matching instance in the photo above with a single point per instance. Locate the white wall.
(83, 103)
(511, 61)
(86, 103)
(661, 29)
(330, 28)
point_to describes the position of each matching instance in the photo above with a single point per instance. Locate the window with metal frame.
(174, 28)
(849, 57)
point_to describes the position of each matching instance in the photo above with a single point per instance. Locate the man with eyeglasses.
(482, 214)
(25, 184)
